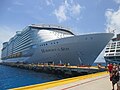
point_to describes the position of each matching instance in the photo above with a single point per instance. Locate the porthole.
(91, 37)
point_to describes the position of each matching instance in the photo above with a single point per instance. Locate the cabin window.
(112, 50)
(91, 37)
(117, 50)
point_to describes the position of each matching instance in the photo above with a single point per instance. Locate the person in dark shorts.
(114, 76)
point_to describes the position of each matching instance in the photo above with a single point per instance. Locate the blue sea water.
(11, 77)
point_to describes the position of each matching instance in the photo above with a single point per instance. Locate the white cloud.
(67, 10)
(61, 13)
(113, 20)
(75, 9)
(117, 1)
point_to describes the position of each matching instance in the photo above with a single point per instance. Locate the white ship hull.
(76, 50)
(49, 43)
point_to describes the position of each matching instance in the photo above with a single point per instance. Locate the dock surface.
(97, 81)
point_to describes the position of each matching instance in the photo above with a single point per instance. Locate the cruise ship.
(112, 52)
(51, 43)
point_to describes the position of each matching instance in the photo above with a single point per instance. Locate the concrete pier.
(65, 71)
(97, 81)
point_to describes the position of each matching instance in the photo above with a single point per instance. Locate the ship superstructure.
(112, 52)
(51, 43)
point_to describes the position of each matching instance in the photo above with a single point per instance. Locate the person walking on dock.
(110, 67)
(114, 76)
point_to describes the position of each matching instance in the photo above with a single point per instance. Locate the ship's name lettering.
(54, 49)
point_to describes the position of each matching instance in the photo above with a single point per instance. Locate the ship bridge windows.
(117, 50)
(45, 44)
(106, 51)
(112, 50)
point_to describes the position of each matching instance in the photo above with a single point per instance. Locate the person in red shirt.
(110, 67)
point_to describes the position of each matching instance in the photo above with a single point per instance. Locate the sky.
(82, 16)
